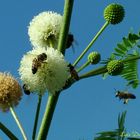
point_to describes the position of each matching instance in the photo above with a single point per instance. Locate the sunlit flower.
(44, 29)
(50, 74)
(10, 91)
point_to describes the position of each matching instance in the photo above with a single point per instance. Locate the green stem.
(52, 99)
(83, 66)
(91, 73)
(103, 69)
(37, 116)
(65, 26)
(131, 58)
(97, 71)
(18, 122)
(46, 121)
(91, 43)
(8, 132)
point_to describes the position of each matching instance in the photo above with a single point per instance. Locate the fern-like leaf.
(121, 121)
(116, 134)
(133, 138)
(125, 50)
(108, 135)
(130, 72)
(128, 43)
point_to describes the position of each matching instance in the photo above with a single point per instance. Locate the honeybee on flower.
(51, 75)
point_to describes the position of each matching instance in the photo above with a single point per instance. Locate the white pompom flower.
(51, 73)
(44, 29)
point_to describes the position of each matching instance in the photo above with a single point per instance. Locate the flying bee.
(73, 72)
(125, 96)
(26, 89)
(70, 40)
(37, 62)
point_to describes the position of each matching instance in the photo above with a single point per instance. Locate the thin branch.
(94, 72)
(18, 123)
(8, 132)
(47, 118)
(52, 99)
(91, 43)
(37, 116)
(83, 66)
(65, 27)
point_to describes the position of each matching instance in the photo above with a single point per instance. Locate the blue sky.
(89, 106)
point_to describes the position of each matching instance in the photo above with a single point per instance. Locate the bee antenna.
(115, 90)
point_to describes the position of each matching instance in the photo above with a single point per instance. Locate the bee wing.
(73, 49)
(76, 42)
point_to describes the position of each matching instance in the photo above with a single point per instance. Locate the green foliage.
(130, 72)
(127, 51)
(116, 134)
(128, 43)
(121, 121)
(108, 135)
(133, 138)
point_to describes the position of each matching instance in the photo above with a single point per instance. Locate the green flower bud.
(115, 67)
(94, 57)
(114, 13)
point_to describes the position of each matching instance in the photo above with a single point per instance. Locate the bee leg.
(66, 85)
(125, 101)
(76, 77)
(120, 98)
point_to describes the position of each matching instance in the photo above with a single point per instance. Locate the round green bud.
(94, 57)
(114, 13)
(115, 67)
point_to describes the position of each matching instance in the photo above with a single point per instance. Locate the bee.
(125, 96)
(73, 72)
(26, 89)
(37, 62)
(70, 40)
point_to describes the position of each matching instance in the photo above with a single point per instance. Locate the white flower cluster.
(44, 29)
(51, 74)
(44, 68)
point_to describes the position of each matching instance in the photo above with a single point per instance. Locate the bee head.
(117, 93)
(42, 56)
